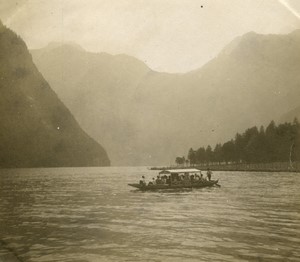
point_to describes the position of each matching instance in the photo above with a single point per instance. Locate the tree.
(271, 142)
(186, 162)
(228, 151)
(200, 155)
(180, 160)
(209, 154)
(217, 154)
(275, 143)
(192, 156)
(250, 150)
(239, 145)
(294, 141)
(261, 147)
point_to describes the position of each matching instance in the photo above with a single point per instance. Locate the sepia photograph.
(149, 130)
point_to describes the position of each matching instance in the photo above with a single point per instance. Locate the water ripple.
(90, 214)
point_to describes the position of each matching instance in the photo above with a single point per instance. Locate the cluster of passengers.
(177, 179)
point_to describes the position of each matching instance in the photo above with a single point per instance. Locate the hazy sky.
(169, 35)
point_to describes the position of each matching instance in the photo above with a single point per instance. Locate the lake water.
(90, 214)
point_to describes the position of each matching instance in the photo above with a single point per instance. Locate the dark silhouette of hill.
(145, 117)
(37, 130)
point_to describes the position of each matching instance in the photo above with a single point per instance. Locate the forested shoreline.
(275, 143)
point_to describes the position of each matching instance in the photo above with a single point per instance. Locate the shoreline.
(261, 167)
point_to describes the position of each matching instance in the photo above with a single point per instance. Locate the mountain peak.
(69, 44)
(252, 44)
(250, 34)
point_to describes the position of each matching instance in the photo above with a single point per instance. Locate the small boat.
(175, 174)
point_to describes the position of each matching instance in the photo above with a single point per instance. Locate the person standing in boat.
(209, 173)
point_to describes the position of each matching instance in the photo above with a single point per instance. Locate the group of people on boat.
(178, 179)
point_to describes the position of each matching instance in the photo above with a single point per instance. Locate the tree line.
(275, 143)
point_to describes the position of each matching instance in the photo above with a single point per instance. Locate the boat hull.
(178, 186)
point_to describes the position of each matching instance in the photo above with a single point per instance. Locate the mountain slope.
(150, 117)
(98, 89)
(37, 130)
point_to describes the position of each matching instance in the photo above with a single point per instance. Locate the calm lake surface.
(90, 214)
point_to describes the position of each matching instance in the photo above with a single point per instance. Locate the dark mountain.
(37, 130)
(146, 117)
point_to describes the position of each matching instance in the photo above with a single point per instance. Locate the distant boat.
(178, 178)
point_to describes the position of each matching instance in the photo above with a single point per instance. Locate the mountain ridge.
(150, 115)
(37, 130)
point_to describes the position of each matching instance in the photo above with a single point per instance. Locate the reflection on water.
(90, 214)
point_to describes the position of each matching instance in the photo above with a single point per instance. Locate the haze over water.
(90, 214)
